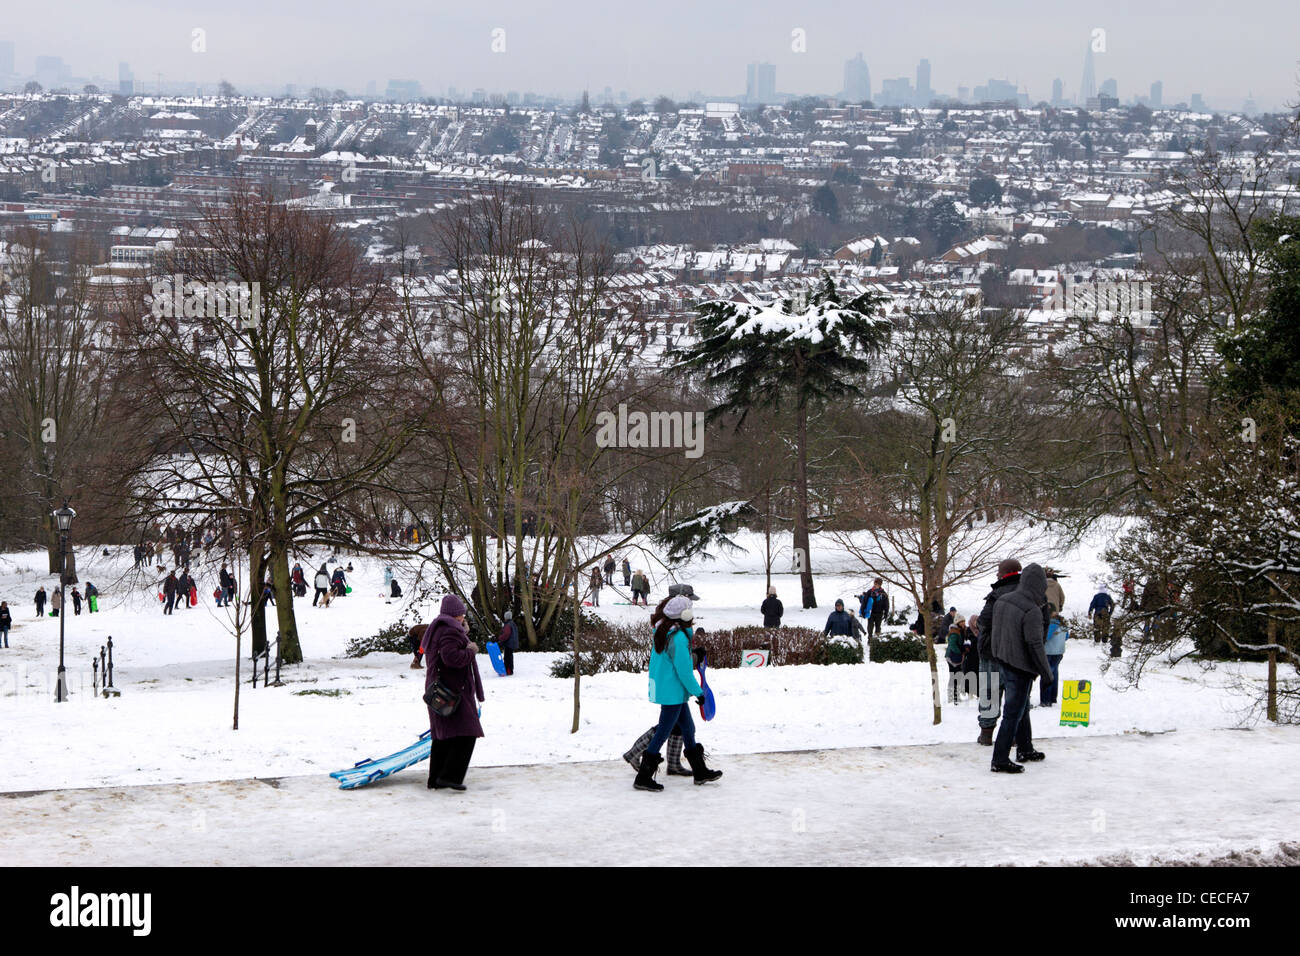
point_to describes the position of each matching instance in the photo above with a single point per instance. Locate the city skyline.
(591, 48)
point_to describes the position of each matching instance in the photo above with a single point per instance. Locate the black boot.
(695, 757)
(1030, 756)
(1007, 767)
(986, 736)
(645, 777)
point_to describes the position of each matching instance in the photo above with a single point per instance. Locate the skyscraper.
(6, 58)
(125, 79)
(1088, 86)
(760, 85)
(1157, 94)
(857, 80)
(1110, 88)
(923, 91)
(1058, 92)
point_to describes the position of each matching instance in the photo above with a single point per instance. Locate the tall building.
(51, 72)
(857, 80)
(1110, 88)
(1058, 92)
(1198, 104)
(1088, 86)
(1157, 95)
(125, 79)
(760, 85)
(897, 92)
(6, 58)
(924, 93)
(998, 91)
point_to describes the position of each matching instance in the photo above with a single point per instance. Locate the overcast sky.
(1222, 50)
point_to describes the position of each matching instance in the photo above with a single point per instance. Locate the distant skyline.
(673, 47)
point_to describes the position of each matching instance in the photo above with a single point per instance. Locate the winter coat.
(1018, 625)
(953, 654)
(772, 610)
(672, 673)
(1101, 603)
(322, 580)
(394, 589)
(879, 603)
(609, 566)
(56, 599)
(864, 604)
(6, 619)
(227, 582)
(1055, 596)
(509, 637)
(91, 591)
(841, 622)
(169, 586)
(388, 577)
(1004, 586)
(447, 657)
(1054, 642)
(40, 598)
(640, 583)
(970, 660)
(627, 566)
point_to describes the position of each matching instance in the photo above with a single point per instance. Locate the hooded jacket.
(447, 657)
(1017, 638)
(1000, 587)
(773, 610)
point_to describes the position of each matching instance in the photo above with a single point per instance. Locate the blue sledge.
(494, 655)
(367, 771)
(709, 707)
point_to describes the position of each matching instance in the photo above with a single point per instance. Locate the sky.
(677, 47)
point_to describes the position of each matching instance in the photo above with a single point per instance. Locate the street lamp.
(63, 521)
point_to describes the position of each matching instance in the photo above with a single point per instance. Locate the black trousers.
(508, 658)
(316, 596)
(449, 759)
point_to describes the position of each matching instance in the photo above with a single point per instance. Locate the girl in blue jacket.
(672, 685)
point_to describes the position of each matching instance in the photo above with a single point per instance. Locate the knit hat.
(1008, 567)
(452, 606)
(684, 589)
(679, 609)
(772, 591)
(510, 616)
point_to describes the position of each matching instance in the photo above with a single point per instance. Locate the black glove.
(700, 700)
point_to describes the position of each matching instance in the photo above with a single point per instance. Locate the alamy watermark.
(626, 429)
(175, 298)
(1093, 298)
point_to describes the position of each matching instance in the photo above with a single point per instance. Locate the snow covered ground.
(172, 726)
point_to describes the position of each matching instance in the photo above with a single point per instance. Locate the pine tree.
(806, 350)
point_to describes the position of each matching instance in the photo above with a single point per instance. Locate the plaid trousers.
(675, 742)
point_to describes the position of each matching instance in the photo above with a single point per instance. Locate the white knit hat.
(679, 609)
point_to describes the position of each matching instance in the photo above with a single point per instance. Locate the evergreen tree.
(807, 351)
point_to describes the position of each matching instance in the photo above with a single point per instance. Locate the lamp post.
(63, 520)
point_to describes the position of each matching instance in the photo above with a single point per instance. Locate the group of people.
(602, 576)
(55, 600)
(179, 589)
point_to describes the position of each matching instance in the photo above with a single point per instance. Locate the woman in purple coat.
(449, 657)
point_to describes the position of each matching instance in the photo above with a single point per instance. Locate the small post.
(103, 664)
(277, 683)
(109, 689)
(254, 670)
(94, 668)
(266, 666)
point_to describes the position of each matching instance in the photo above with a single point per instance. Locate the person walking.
(1018, 648)
(76, 603)
(609, 569)
(772, 609)
(56, 602)
(298, 580)
(92, 598)
(449, 657)
(970, 656)
(1055, 594)
(672, 684)
(1099, 612)
(6, 622)
(596, 582)
(226, 587)
(953, 655)
(1054, 647)
(169, 592)
(879, 608)
(322, 584)
(990, 678)
(841, 622)
(627, 573)
(40, 601)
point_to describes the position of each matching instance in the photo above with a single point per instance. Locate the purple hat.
(452, 606)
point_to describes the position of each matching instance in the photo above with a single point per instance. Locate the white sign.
(754, 658)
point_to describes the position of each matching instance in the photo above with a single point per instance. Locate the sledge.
(709, 707)
(494, 655)
(194, 596)
(347, 590)
(93, 601)
(367, 771)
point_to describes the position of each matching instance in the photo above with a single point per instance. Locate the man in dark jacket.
(1100, 610)
(1017, 646)
(990, 681)
(772, 609)
(169, 592)
(609, 569)
(627, 573)
(40, 601)
(879, 608)
(841, 622)
(509, 642)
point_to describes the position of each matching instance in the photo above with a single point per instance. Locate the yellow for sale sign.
(1076, 703)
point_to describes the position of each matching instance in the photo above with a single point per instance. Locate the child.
(1054, 646)
(953, 656)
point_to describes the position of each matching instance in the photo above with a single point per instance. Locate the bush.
(390, 640)
(608, 648)
(785, 645)
(842, 649)
(898, 648)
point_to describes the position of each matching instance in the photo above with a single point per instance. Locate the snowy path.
(1104, 797)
